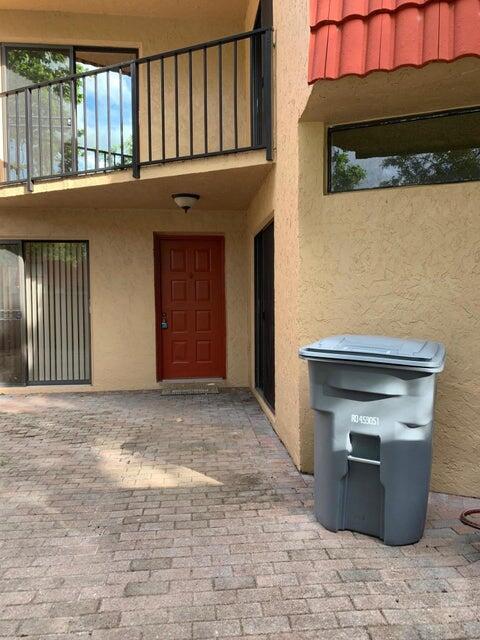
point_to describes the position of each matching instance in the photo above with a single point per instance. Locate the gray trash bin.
(373, 399)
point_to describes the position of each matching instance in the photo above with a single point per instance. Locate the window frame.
(71, 48)
(386, 121)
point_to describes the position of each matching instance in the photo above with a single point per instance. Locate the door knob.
(164, 322)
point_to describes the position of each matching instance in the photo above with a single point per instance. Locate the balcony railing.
(206, 100)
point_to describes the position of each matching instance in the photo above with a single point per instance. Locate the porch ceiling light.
(185, 200)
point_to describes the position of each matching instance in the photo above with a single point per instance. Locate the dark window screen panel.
(57, 312)
(431, 149)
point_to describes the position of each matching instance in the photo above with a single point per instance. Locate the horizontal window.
(430, 149)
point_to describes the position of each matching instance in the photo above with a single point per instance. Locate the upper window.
(429, 149)
(29, 65)
(83, 126)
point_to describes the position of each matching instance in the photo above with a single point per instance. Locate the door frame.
(23, 306)
(263, 20)
(157, 266)
(72, 52)
(72, 49)
(257, 310)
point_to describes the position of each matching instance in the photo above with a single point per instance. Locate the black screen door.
(265, 315)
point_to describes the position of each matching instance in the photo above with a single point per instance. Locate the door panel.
(264, 315)
(190, 307)
(12, 370)
(57, 312)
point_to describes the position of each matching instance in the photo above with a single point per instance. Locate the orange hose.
(469, 512)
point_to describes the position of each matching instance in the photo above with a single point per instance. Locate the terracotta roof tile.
(360, 36)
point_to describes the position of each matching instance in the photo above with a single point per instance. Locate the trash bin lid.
(380, 350)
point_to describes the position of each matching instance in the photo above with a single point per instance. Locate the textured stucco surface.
(404, 91)
(122, 284)
(150, 34)
(404, 262)
(231, 179)
(208, 9)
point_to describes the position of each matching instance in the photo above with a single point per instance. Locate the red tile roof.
(360, 36)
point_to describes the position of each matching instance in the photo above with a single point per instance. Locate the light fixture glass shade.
(185, 200)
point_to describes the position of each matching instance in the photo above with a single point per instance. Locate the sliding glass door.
(75, 125)
(44, 319)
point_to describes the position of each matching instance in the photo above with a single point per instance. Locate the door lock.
(164, 322)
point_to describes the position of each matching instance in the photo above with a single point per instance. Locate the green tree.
(346, 175)
(32, 66)
(38, 65)
(455, 165)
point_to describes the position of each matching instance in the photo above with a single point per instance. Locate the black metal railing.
(210, 99)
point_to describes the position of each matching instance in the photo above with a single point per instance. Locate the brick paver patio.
(136, 516)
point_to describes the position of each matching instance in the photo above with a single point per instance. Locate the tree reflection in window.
(416, 150)
(426, 168)
(346, 175)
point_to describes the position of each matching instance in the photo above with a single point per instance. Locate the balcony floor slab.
(228, 181)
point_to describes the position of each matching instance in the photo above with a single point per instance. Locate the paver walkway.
(136, 516)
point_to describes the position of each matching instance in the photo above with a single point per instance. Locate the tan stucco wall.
(402, 262)
(207, 9)
(150, 34)
(122, 284)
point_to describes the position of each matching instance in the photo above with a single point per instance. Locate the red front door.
(190, 303)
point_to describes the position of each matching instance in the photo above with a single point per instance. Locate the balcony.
(208, 100)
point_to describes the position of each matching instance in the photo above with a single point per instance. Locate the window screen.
(57, 312)
(428, 149)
